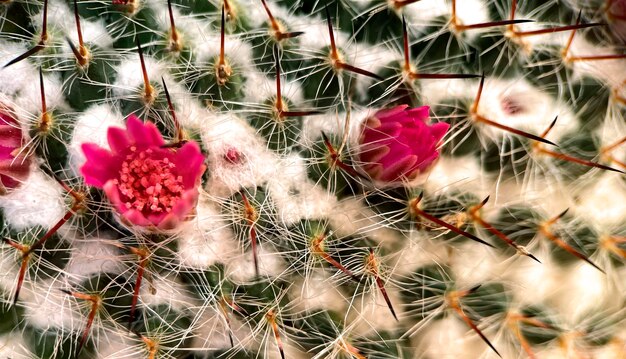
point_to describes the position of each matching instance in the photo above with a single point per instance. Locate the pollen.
(148, 183)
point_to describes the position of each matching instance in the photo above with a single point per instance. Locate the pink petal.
(100, 165)
(399, 169)
(372, 153)
(384, 114)
(137, 218)
(438, 130)
(189, 163)
(118, 139)
(113, 194)
(170, 221)
(143, 135)
(419, 113)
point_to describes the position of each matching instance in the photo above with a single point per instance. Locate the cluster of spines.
(220, 84)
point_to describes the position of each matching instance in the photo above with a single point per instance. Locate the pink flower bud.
(14, 163)
(397, 144)
(149, 184)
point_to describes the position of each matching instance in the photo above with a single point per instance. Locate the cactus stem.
(45, 122)
(453, 301)
(149, 95)
(336, 60)
(416, 211)
(371, 265)
(179, 132)
(144, 258)
(317, 248)
(479, 118)
(270, 316)
(96, 302)
(474, 213)
(43, 38)
(175, 44)
(251, 216)
(223, 71)
(544, 229)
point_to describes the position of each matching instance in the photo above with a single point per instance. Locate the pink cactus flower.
(14, 164)
(396, 145)
(616, 15)
(148, 184)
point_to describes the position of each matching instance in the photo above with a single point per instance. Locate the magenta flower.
(14, 164)
(397, 144)
(148, 184)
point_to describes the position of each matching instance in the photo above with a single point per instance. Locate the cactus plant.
(306, 179)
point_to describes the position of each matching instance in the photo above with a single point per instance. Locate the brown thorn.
(405, 47)
(140, 274)
(224, 307)
(580, 161)
(336, 161)
(78, 29)
(379, 282)
(545, 230)
(300, 113)
(454, 304)
(550, 127)
(250, 214)
(42, 39)
(398, 4)
(447, 225)
(317, 249)
(333, 48)
(359, 71)
(289, 35)
(51, 232)
(271, 318)
(557, 29)
(174, 34)
(489, 122)
(415, 76)
(491, 24)
(597, 58)
(565, 51)
(179, 131)
(279, 96)
(42, 89)
(95, 304)
(21, 276)
(79, 57)
(481, 84)
(148, 89)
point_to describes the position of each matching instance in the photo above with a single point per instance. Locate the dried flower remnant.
(397, 144)
(149, 185)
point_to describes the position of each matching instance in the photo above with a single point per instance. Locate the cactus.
(301, 179)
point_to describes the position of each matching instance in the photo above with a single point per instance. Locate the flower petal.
(438, 130)
(143, 134)
(100, 165)
(137, 218)
(118, 139)
(189, 163)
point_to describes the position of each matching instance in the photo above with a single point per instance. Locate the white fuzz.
(604, 201)
(48, 307)
(448, 338)
(13, 346)
(164, 289)
(313, 293)
(213, 330)
(316, 36)
(241, 268)
(29, 100)
(91, 256)
(237, 51)
(129, 81)
(295, 196)
(208, 240)
(611, 72)
(537, 109)
(38, 202)
(371, 315)
(259, 88)
(16, 76)
(255, 165)
(473, 263)
(457, 173)
(420, 250)
(91, 127)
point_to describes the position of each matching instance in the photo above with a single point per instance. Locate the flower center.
(149, 184)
